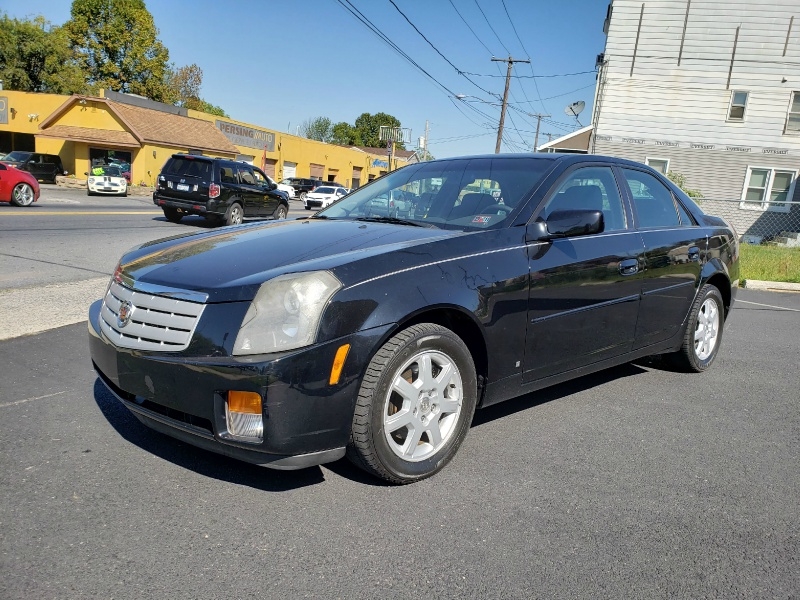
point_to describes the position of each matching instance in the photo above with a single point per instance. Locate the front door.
(584, 291)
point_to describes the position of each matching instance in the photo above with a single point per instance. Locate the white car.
(283, 187)
(105, 179)
(324, 196)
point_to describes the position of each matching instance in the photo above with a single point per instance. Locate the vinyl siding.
(663, 110)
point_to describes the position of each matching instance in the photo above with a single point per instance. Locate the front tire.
(22, 195)
(302, 196)
(415, 405)
(280, 213)
(703, 332)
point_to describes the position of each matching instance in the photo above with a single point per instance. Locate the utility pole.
(539, 117)
(426, 139)
(510, 62)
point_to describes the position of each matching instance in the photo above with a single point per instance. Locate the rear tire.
(280, 212)
(415, 405)
(173, 214)
(235, 214)
(703, 332)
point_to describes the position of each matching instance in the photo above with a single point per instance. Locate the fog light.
(243, 415)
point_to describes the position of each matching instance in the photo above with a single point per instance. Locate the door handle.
(629, 266)
(694, 253)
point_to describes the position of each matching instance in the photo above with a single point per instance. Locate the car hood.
(230, 264)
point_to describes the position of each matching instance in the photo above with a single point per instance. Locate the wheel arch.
(461, 323)
(723, 284)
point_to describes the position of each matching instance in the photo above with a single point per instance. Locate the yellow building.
(138, 132)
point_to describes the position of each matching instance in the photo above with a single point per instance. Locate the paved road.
(57, 255)
(635, 483)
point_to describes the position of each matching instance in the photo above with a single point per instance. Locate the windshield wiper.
(395, 220)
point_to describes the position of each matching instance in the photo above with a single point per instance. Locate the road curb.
(772, 286)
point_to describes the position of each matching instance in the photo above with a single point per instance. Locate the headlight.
(285, 313)
(91, 179)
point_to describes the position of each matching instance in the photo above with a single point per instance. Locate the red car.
(18, 187)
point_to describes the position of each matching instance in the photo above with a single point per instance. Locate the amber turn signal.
(338, 364)
(244, 402)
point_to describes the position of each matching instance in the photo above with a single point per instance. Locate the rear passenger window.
(226, 175)
(246, 176)
(654, 204)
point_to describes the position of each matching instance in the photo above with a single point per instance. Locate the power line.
(508, 52)
(459, 71)
(473, 32)
(532, 76)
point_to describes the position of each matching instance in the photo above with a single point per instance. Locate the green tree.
(344, 134)
(118, 47)
(207, 107)
(35, 56)
(368, 127)
(680, 180)
(318, 128)
(184, 83)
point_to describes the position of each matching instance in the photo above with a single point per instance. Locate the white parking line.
(29, 399)
(767, 305)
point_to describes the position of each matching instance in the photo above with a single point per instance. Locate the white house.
(709, 89)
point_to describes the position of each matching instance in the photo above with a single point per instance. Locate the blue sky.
(278, 63)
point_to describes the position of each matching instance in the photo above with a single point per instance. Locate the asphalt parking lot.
(638, 482)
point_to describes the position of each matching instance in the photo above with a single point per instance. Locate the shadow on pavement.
(533, 399)
(198, 460)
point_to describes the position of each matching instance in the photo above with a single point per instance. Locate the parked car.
(222, 191)
(303, 185)
(374, 336)
(324, 196)
(290, 191)
(105, 179)
(20, 188)
(44, 167)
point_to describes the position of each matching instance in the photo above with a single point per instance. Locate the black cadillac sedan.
(375, 333)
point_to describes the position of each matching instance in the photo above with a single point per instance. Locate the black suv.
(42, 166)
(303, 185)
(222, 191)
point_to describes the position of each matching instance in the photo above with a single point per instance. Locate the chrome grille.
(156, 323)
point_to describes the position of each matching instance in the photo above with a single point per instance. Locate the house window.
(738, 104)
(659, 164)
(768, 189)
(793, 120)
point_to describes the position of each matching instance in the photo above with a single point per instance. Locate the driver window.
(590, 188)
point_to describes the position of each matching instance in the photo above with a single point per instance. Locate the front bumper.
(106, 188)
(306, 420)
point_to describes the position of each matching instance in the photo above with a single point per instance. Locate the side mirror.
(273, 186)
(566, 223)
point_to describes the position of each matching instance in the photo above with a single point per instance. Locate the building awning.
(88, 135)
(577, 141)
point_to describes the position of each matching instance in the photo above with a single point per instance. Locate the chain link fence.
(768, 223)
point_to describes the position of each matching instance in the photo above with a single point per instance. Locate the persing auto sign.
(247, 136)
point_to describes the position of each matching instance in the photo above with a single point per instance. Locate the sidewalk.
(772, 286)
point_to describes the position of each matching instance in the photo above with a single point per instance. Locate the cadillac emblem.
(125, 312)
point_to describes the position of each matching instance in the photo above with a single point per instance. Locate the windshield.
(17, 156)
(469, 193)
(324, 190)
(108, 170)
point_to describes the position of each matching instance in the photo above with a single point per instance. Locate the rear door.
(674, 249)
(584, 290)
